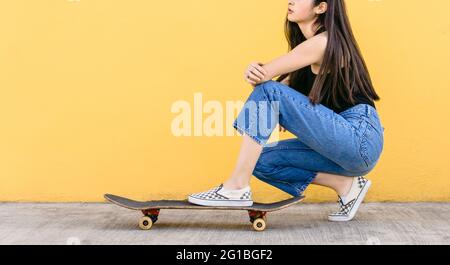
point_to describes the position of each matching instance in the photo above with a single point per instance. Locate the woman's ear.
(321, 8)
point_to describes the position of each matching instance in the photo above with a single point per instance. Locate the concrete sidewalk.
(101, 223)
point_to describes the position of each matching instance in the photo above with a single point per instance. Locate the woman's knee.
(269, 87)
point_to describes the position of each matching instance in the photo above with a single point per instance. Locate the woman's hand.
(255, 74)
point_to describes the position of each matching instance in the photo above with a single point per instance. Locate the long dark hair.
(341, 50)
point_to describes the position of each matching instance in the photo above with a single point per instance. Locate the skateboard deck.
(151, 209)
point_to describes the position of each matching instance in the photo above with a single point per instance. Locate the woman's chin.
(291, 18)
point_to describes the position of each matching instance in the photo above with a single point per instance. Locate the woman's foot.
(350, 203)
(220, 196)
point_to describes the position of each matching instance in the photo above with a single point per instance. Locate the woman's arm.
(306, 53)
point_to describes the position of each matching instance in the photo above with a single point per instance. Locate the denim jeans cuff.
(242, 131)
(307, 183)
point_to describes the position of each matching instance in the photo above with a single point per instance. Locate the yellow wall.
(87, 87)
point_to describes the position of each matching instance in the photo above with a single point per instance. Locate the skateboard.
(151, 209)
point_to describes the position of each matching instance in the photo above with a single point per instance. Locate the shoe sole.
(218, 203)
(359, 200)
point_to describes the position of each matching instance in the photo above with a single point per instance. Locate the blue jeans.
(349, 143)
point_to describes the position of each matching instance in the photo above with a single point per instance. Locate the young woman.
(325, 98)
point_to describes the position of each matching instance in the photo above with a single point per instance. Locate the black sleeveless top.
(306, 82)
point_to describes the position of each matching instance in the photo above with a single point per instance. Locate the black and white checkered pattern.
(346, 208)
(247, 195)
(213, 195)
(210, 194)
(361, 182)
(216, 197)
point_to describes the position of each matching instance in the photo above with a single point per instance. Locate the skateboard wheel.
(145, 223)
(259, 224)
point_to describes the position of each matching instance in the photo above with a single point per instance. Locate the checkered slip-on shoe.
(218, 196)
(353, 200)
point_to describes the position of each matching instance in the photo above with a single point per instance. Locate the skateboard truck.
(150, 217)
(258, 219)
